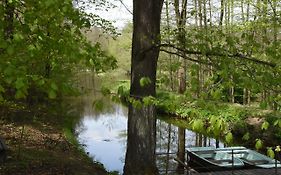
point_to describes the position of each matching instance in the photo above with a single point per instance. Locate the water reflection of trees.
(170, 142)
(167, 134)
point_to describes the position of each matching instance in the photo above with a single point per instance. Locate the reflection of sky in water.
(104, 135)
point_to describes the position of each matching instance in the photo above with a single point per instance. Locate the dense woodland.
(212, 62)
(231, 49)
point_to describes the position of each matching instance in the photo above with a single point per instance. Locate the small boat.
(251, 159)
(204, 159)
(217, 159)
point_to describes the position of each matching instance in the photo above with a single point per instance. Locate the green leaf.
(263, 105)
(265, 125)
(144, 81)
(277, 149)
(148, 100)
(18, 37)
(2, 89)
(41, 82)
(278, 123)
(246, 136)
(19, 83)
(270, 153)
(198, 125)
(52, 94)
(91, 62)
(213, 120)
(120, 90)
(10, 50)
(229, 138)
(31, 47)
(136, 104)
(54, 86)
(3, 44)
(19, 94)
(258, 144)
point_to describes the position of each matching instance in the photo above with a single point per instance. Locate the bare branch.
(236, 55)
(126, 7)
(186, 57)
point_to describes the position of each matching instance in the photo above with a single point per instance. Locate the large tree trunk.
(140, 155)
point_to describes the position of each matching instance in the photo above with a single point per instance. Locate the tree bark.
(146, 36)
(169, 41)
(181, 21)
(231, 90)
(221, 13)
(140, 155)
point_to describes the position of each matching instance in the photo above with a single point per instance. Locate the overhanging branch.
(186, 57)
(192, 52)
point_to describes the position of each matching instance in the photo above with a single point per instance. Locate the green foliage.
(259, 144)
(246, 136)
(265, 125)
(46, 48)
(229, 138)
(278, 123)
(270, 153)
(144, 81)
(198, 125)
(211, 117)
(217, 126)
(149, 100)
(191, 108)
(136, 103)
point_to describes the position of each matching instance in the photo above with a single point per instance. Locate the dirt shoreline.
(40, 147)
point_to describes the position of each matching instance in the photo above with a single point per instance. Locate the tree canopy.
(41, 42)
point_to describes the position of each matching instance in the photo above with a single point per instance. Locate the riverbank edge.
(250, 124)
(43, 141)
(221, 120)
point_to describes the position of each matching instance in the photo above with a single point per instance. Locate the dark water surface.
(104, 136)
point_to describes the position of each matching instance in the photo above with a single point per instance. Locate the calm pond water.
(103, 135)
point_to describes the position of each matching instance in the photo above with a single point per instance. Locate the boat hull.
(204, 159)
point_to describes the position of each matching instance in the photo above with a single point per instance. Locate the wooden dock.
(244, 172)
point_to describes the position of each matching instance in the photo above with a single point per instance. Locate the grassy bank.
(232, 123)
(41, 141)
(246, 125)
